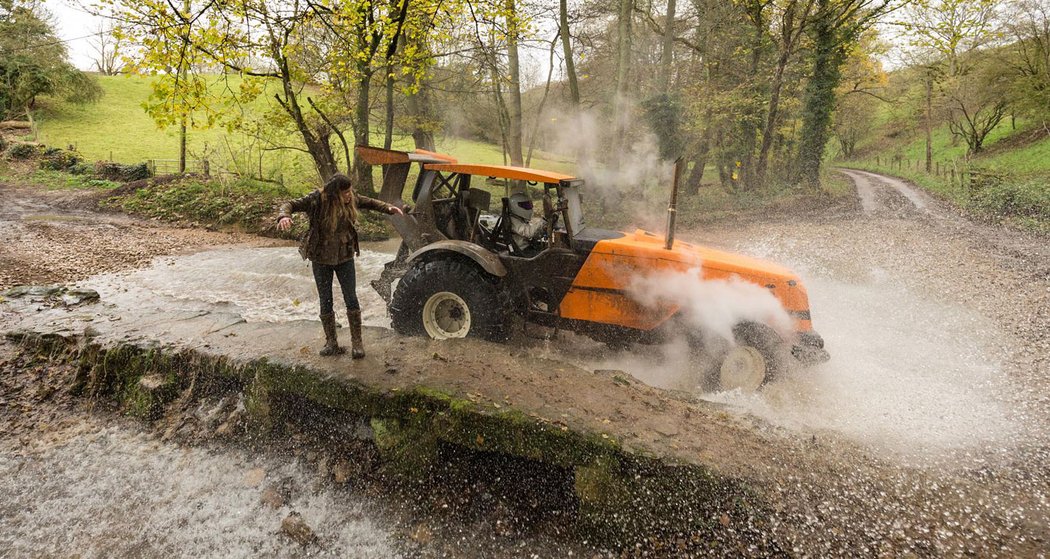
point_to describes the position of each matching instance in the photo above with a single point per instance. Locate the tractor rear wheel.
(448, 298)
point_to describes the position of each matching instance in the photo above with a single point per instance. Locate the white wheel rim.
(744, 368)
(446, 315)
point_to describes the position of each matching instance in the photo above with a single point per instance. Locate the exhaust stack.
(672, 208)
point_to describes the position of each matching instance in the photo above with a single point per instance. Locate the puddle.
(260, 284)
(112, 493)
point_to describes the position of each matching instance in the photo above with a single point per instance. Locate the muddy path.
(57, 237)
(932, 417)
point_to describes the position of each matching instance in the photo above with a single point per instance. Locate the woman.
(331, 244)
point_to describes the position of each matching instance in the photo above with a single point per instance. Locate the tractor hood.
(646, 245)
(615, 258)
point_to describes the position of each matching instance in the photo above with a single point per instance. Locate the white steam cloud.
(713, 307)
(627, 172)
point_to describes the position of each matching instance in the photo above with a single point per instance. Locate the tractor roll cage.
(456, 215)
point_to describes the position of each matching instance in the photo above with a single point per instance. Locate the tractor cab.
(473, 204)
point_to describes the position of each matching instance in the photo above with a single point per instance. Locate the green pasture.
(117, 128)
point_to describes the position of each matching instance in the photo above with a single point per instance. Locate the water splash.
(907, 375)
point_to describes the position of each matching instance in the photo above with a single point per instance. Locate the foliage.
(1029, 31)
(334, 47)
(23, 151)
(57, 159)
(862, 85)
(33, 61)
(118, 172)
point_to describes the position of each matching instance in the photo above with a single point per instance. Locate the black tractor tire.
(487, 305)
(755, 343)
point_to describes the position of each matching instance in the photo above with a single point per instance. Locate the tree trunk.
(316, 141)
(793, 23)
(514, 127)
(929, 122)
(566, 44)
(819, 98)
(667, 60)
(420, 111)
(772, 115)
(696, 175)
(362, 171)
(623, 73)
(623, 46)
(388, 133)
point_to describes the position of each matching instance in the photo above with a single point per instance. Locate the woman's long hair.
(333, 208)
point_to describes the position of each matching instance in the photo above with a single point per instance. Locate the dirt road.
(55, 237)
(938, 392)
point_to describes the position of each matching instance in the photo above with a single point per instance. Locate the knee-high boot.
(331, 343)
(358, 347)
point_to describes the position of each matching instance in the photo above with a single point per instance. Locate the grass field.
(117, 128)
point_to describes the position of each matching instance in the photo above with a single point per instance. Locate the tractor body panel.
(601, 290)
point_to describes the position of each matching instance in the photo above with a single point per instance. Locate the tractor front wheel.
(753, 359)
(447, 298)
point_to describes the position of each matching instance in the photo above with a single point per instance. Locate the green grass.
(59, 180)
(117, 128)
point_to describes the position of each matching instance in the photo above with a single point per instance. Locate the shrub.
(247, 204)
(59, 159)
(23, 151)
(119, 172)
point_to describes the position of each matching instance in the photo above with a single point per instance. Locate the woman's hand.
(285, 223)
(394, 210)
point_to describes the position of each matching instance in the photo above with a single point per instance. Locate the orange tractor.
(464, 271)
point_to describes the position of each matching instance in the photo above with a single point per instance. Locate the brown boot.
(331, 344)
(358, 350)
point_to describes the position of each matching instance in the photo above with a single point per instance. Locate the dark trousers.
(347, 282)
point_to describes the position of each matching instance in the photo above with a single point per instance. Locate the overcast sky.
(74, 24)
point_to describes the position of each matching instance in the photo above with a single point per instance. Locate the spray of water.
(710, 307)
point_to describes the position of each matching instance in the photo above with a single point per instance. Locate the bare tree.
(106, 47)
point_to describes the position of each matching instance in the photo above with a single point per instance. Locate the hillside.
(117, 128)
(1008, 181)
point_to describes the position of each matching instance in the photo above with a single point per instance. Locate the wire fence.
(172, 166)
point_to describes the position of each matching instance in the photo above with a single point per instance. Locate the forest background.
(757, 96)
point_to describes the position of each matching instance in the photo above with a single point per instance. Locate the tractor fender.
(484, 258)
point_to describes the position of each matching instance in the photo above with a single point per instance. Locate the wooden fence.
(959, 173)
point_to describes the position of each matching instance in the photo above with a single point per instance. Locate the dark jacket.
(312, 245)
